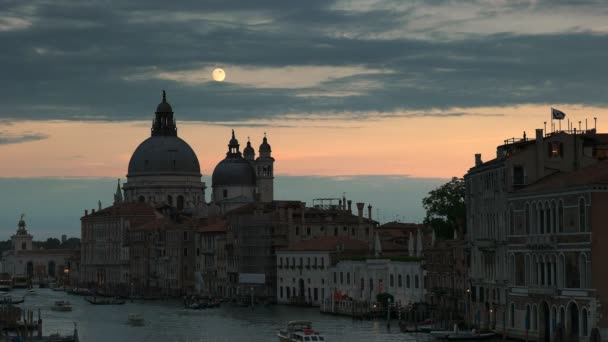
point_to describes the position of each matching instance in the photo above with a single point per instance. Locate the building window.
(281, 292)
(582, 215)
(185, 252)
(225, 193)
(341, 278)
(511, 221)
(297, 230)
(416, 281)
(560, 217)
(335, 278)
(169, 200)
(347, 278)
(392, 280)
(23, 246)
(316, 294)
(185, 236)
(335, 231)
(527, 218)
(519, 175)
(362, 284)
(141, 199)
(555, 149)
(399, 282)
(308, 231)
(198, 251)
(280, 262)
(407, 281)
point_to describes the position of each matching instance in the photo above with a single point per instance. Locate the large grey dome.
(233, 171)
(164, 155)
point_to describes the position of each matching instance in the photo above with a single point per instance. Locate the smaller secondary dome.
(164, 106)
(248, 149)
(233, 171)
(265, 147)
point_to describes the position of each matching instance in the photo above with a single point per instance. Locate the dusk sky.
(383, 100)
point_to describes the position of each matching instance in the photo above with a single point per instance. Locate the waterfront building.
(104, 248)
(518, 163)
(37, 265)
(555, 253)
(214, 259)
(302, 267)
(362, 279)
(399, 238)
(162, 255)
(447, 280)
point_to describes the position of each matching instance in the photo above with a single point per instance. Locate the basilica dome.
(162, 154)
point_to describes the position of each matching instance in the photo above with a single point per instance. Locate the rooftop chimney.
(350, 205)
(478, 159)
(369, 211)
(360, 207)
(92, 211)
(86, 212)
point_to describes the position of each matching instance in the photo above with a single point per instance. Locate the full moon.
(218, 74)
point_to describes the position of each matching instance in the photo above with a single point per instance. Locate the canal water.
(169, 321)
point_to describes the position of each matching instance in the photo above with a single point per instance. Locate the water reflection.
(169, 321)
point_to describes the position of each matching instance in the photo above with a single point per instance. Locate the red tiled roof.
(215, 226)
(328, 244)
(596, 174)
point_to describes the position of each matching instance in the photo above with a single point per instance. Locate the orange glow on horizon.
(417, 146)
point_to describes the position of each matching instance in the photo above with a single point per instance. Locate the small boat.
(461, 335)
(6, 299)
(59, 288)
(80, 291)
(300, 331)
(136, 319)
(31, 292)
(104, 301)
(62, 305)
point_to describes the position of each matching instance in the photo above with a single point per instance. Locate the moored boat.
(461, 335)
(6, 299)
(6, 283)
(104, 301)
(299, 331)
(62, 305)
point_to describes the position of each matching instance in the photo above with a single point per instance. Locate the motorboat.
(62, 305)
(31, 292)
(136, 319)
(299, 331)
(80, 291)
(104, 301)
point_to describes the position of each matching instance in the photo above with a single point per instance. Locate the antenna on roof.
(595, 125)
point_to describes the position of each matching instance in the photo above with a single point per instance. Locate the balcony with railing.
(541, 241)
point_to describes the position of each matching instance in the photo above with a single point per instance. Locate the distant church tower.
(22, 241)
(265, 172)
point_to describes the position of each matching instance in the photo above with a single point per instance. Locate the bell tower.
(265, 172)
(21, 241)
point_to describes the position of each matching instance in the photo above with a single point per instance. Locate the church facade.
(37, 265)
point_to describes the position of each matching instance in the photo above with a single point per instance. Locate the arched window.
(527, 320)
(582, 215)
(141, 199)
(534, 318)
(180, 202)
(407, 281)
(585, 330)
(560, 217)
(399, 282)
(528, 219)
(511, 221)
(512, 315)
(51, 269)
(416, 281)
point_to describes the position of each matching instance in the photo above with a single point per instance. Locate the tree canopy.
(445, 208)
